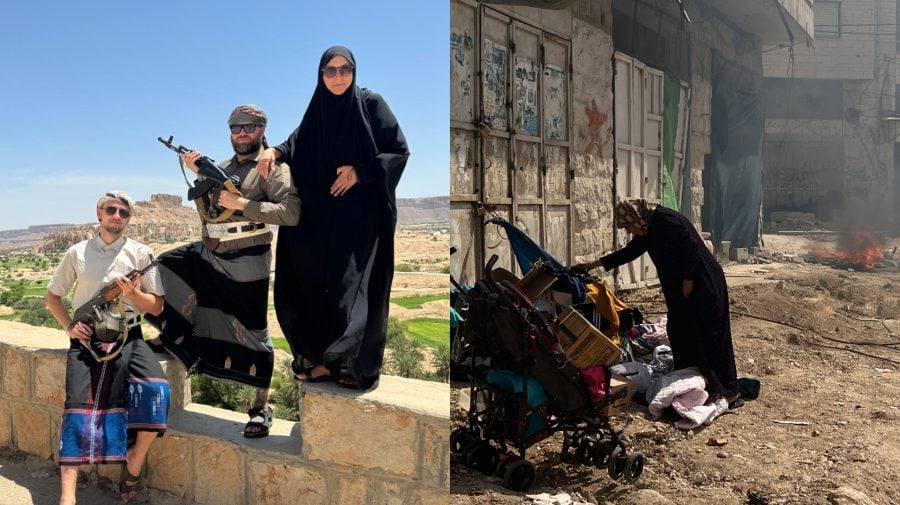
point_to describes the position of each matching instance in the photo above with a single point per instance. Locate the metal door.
(638, 115)
(509, 121)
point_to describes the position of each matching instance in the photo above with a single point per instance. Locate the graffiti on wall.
(554, 103)
(526, 95)
(593, 140)
(493, 67)
(461, 45)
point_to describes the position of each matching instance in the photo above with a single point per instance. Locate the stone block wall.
(387, 446)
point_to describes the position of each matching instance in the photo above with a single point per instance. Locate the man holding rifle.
(215, 319)
(116, 402)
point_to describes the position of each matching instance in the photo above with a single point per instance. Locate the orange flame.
(860, 248)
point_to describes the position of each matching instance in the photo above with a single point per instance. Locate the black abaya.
(699, 326)
(334, 269)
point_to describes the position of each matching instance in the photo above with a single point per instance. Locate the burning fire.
(858, 248)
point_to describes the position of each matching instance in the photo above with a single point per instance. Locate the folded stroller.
(543, 377)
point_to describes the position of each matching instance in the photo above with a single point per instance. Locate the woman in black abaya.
(333, 270)
(693, 283)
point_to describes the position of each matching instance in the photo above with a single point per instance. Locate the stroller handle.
(489, 267)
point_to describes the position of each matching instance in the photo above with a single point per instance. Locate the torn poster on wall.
(526, 96)
(461, 73)
(493, 66)
(554, 102)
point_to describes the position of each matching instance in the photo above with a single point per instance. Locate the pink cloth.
(595, 380)
(685, 391)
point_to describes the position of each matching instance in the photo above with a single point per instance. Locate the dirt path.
(830, 362)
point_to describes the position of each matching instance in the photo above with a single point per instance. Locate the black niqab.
(333, 270)
(335, 129)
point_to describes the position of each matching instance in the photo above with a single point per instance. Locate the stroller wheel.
(505, 460)
(460, 438)
(519, 475)
(483, 457)
(601, 456)
(634, 467)
(616, 465)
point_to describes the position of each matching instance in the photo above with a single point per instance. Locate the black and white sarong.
(215, 312)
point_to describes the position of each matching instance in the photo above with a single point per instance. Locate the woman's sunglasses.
(333, 71)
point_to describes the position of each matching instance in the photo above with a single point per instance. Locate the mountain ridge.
(165, 219)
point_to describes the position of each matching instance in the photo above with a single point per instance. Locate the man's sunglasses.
(111, 211)
(249, 128)
(333, 71)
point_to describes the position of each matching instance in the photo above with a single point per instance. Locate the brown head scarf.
(249, 114)
(634, 212)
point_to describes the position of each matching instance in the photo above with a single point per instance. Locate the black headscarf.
(335, 129)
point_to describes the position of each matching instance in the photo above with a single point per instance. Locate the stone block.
(50, 378)
(740, 254)
(217, 473)
(390, 435)
(5, 430)
(435, 455)
(392, 493)
(16, 361)
(353, 490)
(723, 250)
(170, 465)
(31, 426)
(284, 484)
(111, 471)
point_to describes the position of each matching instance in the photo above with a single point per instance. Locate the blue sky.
(87, 87)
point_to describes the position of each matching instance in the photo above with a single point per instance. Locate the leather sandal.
(260, 418)
(130, 486)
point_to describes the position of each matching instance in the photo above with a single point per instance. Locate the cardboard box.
(585, 346)
(620, 391)
(536, 281)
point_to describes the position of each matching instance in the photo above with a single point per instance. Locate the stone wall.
(388, 446)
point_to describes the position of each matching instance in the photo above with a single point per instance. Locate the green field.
(282, 344)
(414, 302)
(430, 331)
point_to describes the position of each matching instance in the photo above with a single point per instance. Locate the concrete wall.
(388, 446)
(866, 65)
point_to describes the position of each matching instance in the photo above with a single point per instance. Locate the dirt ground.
(825, 344)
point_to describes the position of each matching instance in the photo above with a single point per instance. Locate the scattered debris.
(717, 441)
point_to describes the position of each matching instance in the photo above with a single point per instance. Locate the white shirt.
(92, 264)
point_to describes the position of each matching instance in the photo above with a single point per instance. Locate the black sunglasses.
(249, 128)
(111, 211)
(333, 71)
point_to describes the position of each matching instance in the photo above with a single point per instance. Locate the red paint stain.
(596, 121)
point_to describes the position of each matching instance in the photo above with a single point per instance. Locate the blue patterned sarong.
(106, 401)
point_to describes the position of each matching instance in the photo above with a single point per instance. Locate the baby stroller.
(534, 387)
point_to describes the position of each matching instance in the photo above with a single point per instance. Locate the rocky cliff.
(164, 219)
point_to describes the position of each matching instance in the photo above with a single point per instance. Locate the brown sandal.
(129, 485)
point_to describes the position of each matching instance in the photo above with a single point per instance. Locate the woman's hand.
(590, 265)
(687, 287)
(79, 331)
(346, 179)
(266, 162)
(190, 159)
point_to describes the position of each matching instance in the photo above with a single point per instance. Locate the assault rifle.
(95, 312)
(214, 180)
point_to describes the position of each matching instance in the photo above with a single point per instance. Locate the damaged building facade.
(557, 113)
(830, 139)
